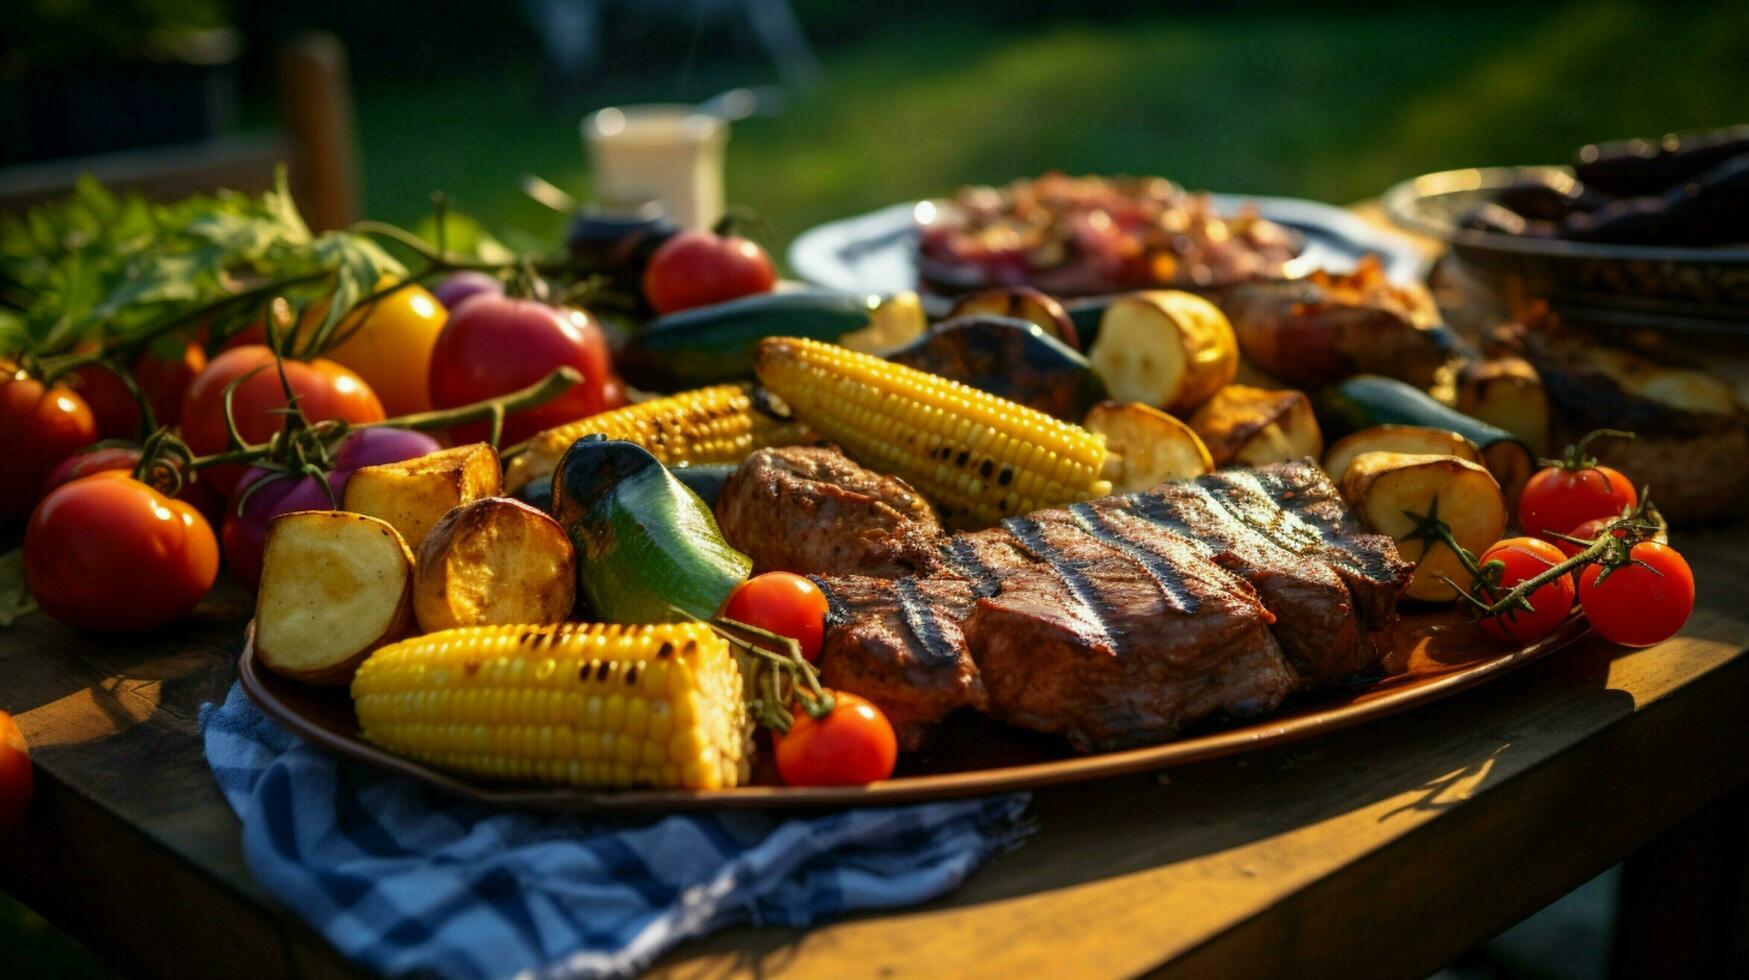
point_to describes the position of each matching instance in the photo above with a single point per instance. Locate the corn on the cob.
(707, 425)
(980, 457)
(573, 704)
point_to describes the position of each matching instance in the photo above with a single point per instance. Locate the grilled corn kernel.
(982, 458)
(707, 425)
(585, 705)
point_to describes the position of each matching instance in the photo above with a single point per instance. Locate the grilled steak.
(813, 511)
(1121, 621)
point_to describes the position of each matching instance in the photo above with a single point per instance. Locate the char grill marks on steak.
(1121, 621)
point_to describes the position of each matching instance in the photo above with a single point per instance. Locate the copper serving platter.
(1436, 655)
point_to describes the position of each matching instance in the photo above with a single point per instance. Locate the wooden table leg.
(1685, 898)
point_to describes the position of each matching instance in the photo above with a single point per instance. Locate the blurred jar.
(671, 154)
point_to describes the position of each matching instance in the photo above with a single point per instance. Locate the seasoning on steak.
(811, 510)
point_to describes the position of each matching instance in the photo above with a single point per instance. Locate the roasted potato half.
(1024, 303)
(334, 586)
(1244, 426)
(1505, 391)
(1384, 488)
(1155, 446)
(1416, 439)
(494, 562)
(896, 321)
(414, 494)
(1167, 349)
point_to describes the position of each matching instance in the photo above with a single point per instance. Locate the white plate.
(876, 252)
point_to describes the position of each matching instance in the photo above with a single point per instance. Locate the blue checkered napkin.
(408, 880)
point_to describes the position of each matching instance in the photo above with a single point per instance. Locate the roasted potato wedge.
(334, 587)
(1024, 303)
(1155, 446)
(1505, 391)
(896, 321)
(1384, 488)
(1244, 426)
(493, 562)
(1416, 439)
(1167, 349)
(414, 494)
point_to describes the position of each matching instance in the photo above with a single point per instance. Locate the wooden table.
(1385, 850)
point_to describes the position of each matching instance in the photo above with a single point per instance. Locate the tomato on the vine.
(15, 773)
(1587, 531)
(162, 380)
(783, 603)
(1524, 559)
(39, 426)
(853, 744)
(1640, 603)
(126, 459)
(1558, 498)
(325, 390)
(698, 268)
(389, 344)
(109, 554)
(494, 345)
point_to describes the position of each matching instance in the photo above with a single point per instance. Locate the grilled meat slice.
(1314, 615)
(1119, 638)
(897, 642)
(1295, 505)
(811, 510)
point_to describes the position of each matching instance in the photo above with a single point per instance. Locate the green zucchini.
(648, 549)
(1367, 400)
(1009, 357)
(714, 344)
(1085, 314)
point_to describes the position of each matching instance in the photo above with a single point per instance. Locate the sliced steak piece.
(897, 642)
(1114, 644)
(1295, 506)
(811, 510)
(1314, 615)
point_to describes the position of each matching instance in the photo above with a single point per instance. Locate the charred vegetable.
(648, 549)
(334, 587)
(493, 562)
(1021, 302)
(1010, 358)
(1323, 328)
(1245, 426)
(705, 479)
(1505, 390)
(1710, 209)
(1369, 400)
(1155, 447)
(1639, 166)
(1412, 439)
(1394, 493)
(414, 494)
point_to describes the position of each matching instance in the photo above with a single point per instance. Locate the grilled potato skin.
(1167, 349)
(494, 562)
(1397, 439)
(1506, 391)
(334, 587)
(413, 495)
(1245, 426)
(1155, 447)
(1385, 487)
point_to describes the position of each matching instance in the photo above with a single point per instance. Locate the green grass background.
(1335, 104)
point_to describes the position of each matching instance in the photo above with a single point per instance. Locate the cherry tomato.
(325, 390)
(195, 492)
(853, 744)
(15, 773)
(161, 379)
(1526, 558)
(698, 268)
(109, 554)
(1639, 604)
(39, 427)
(1558, 499)
(389, 344)
(1587, 531)
(783, 603)
(494, 345)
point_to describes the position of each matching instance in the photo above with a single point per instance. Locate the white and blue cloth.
(406, 880)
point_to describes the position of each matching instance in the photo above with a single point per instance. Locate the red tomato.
(1588, 531)
(698, 268)
(124, 458)
(1643, 603)
(493, 345)
(164, 379)
(112, 405)
(1557, 499)
(1526, 558)
(325, 391)
(853, 744)
(39, 427)
(783, 603)
(110, 554)
(15, 773)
